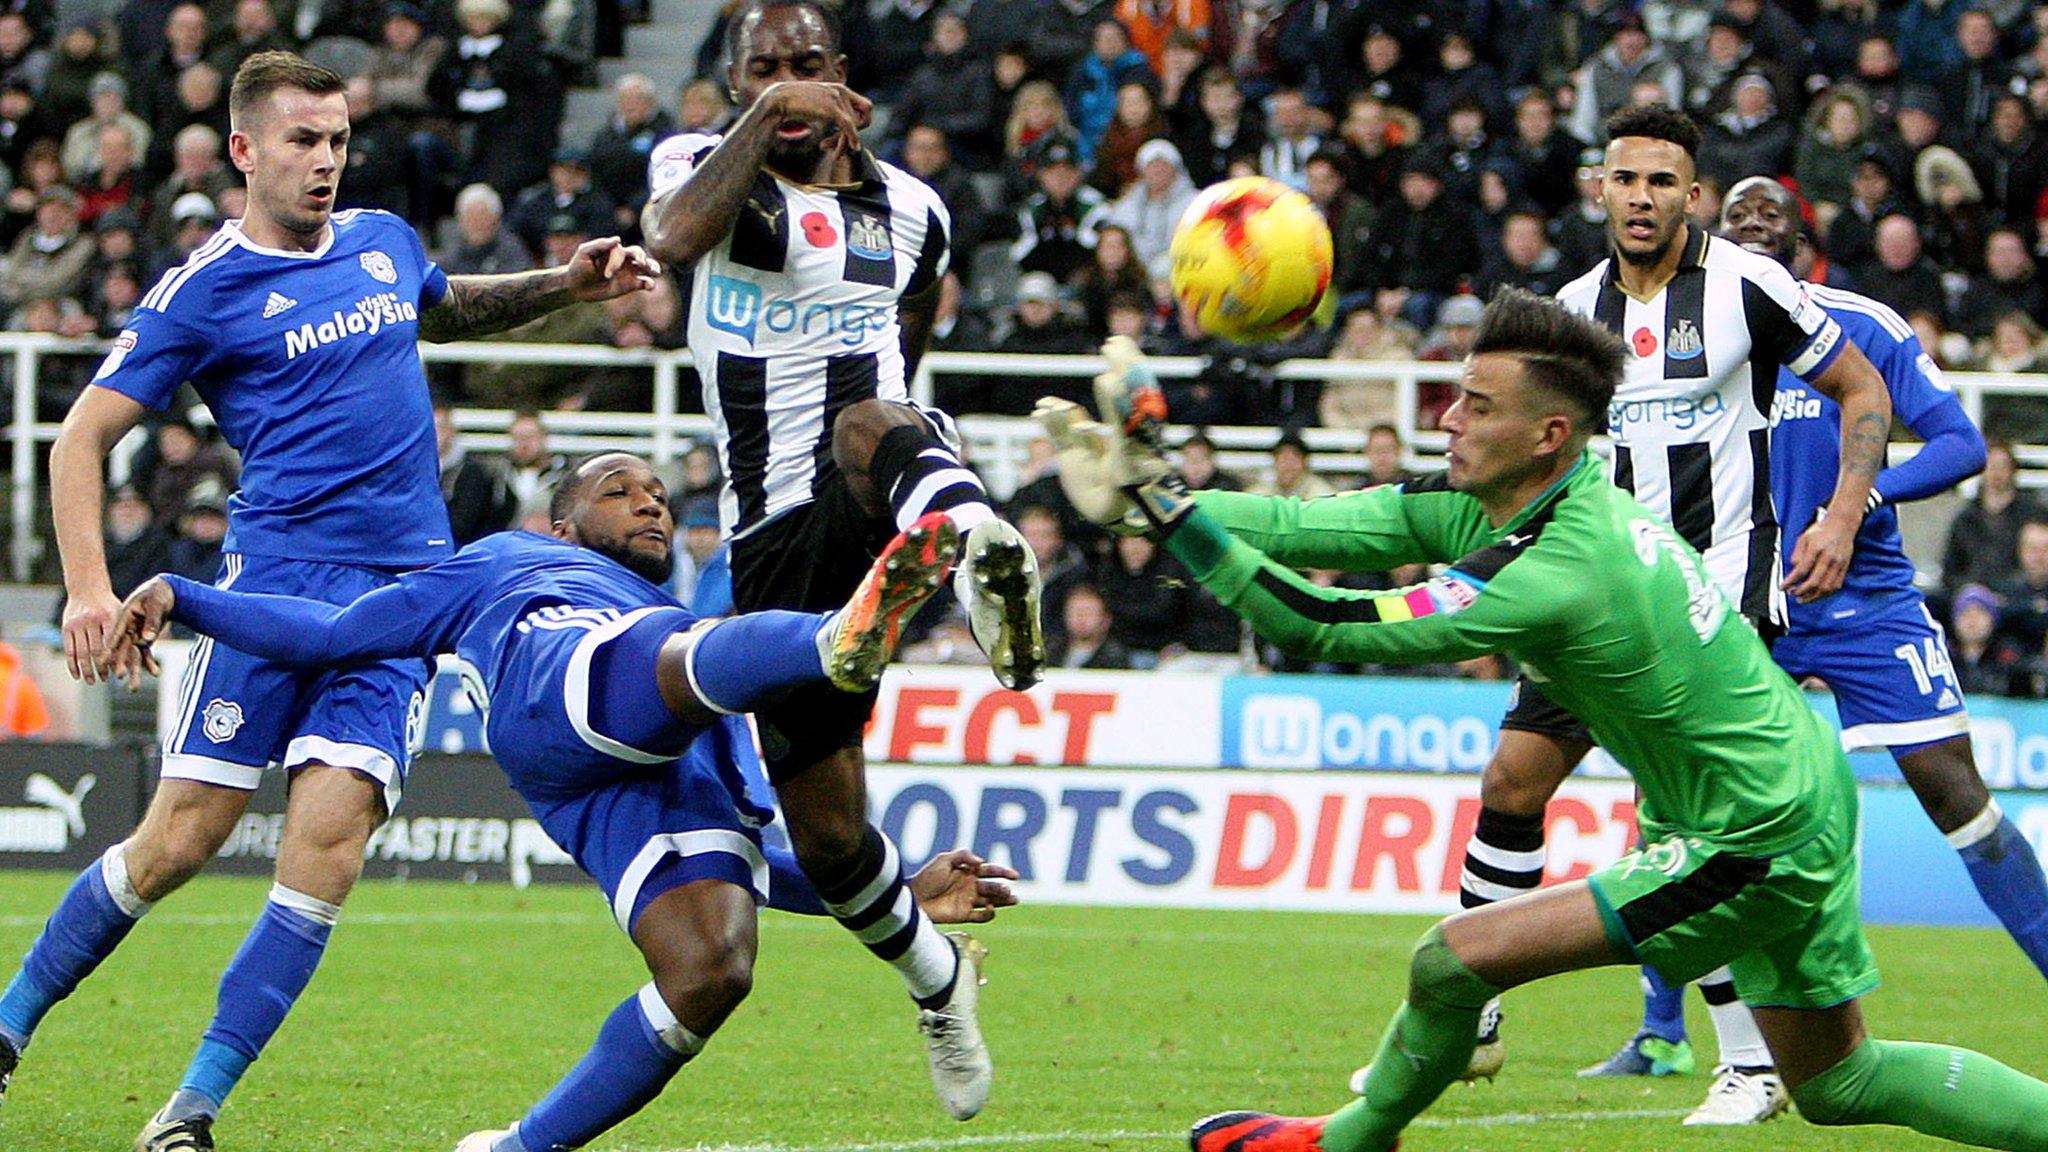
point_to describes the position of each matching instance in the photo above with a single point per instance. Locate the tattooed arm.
(480, 305)
(683, 222)
(1821, 558)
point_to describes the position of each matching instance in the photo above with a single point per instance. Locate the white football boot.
(1739, 1097)
(997, 583)
(961, 1069)
(481, 1141)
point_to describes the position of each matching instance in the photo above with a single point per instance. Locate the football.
(1251, 258)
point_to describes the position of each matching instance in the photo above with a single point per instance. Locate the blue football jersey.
(1806, 430)
(310, 365)
(472, 605)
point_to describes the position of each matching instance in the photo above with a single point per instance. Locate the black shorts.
(1530, 710)
(809, 559)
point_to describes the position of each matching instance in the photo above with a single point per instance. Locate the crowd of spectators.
(113, 140)
(1454, 148)
(1452, 145)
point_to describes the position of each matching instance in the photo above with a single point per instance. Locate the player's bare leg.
(699, 941)
(860, 878)
(2000, 860)
(329, 816)
(899, 466)
(185, 825)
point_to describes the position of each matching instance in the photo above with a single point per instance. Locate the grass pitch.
(442, 1009)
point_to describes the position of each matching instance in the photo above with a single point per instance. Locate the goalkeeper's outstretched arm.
(1450, 618)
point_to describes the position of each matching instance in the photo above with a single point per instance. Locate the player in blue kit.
(298, 327)
(615, 714)
(1874, 642)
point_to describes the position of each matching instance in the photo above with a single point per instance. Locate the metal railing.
(999, 446)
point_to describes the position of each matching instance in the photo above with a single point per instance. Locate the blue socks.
(256, 992)
(638, 1051)
(88, 924)
(1663, 1008)
(2008, 876)
(741, 662)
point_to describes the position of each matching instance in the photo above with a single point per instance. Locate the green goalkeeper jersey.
(1598, 600)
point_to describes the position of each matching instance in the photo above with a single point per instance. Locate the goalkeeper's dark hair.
(1561, 351)
(1657, 122)
(736, 26)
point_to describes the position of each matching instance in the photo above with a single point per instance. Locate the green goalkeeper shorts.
(1786, 926)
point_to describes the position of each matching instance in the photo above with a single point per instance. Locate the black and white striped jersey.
(1691, 422)
(793, 317)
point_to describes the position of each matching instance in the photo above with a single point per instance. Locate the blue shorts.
(642, 801)
(1890, 672)
(237, 715)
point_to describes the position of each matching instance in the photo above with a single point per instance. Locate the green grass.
(443, 1008)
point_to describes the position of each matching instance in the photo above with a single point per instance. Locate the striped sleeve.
(673, 161)
(933, 254)
(1786, 324)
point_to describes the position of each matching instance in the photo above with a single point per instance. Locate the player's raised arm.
(694, 204)
(1371, 531)
(1420, 522)
(94, 425)
(480, 305)
(1473, 609)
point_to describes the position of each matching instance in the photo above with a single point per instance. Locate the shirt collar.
(1692, 260)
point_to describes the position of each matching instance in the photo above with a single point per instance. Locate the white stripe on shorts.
(576, 689)
(1870, 737)
(685, 845)
(210, 770)
(372, 762)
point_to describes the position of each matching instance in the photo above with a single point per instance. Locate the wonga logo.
(734, 306)
(1281, 732)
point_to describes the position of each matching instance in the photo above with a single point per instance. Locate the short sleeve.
(151, 358)
(1786, 324)
(1917, 385)
(935, 254)
(673, 161)
(433, 281)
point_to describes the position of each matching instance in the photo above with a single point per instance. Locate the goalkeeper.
(1749, 811)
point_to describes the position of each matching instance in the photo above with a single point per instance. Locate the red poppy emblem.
(818, 230)
(1645, 342)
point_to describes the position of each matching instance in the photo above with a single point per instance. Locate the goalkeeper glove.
(1115, 470)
